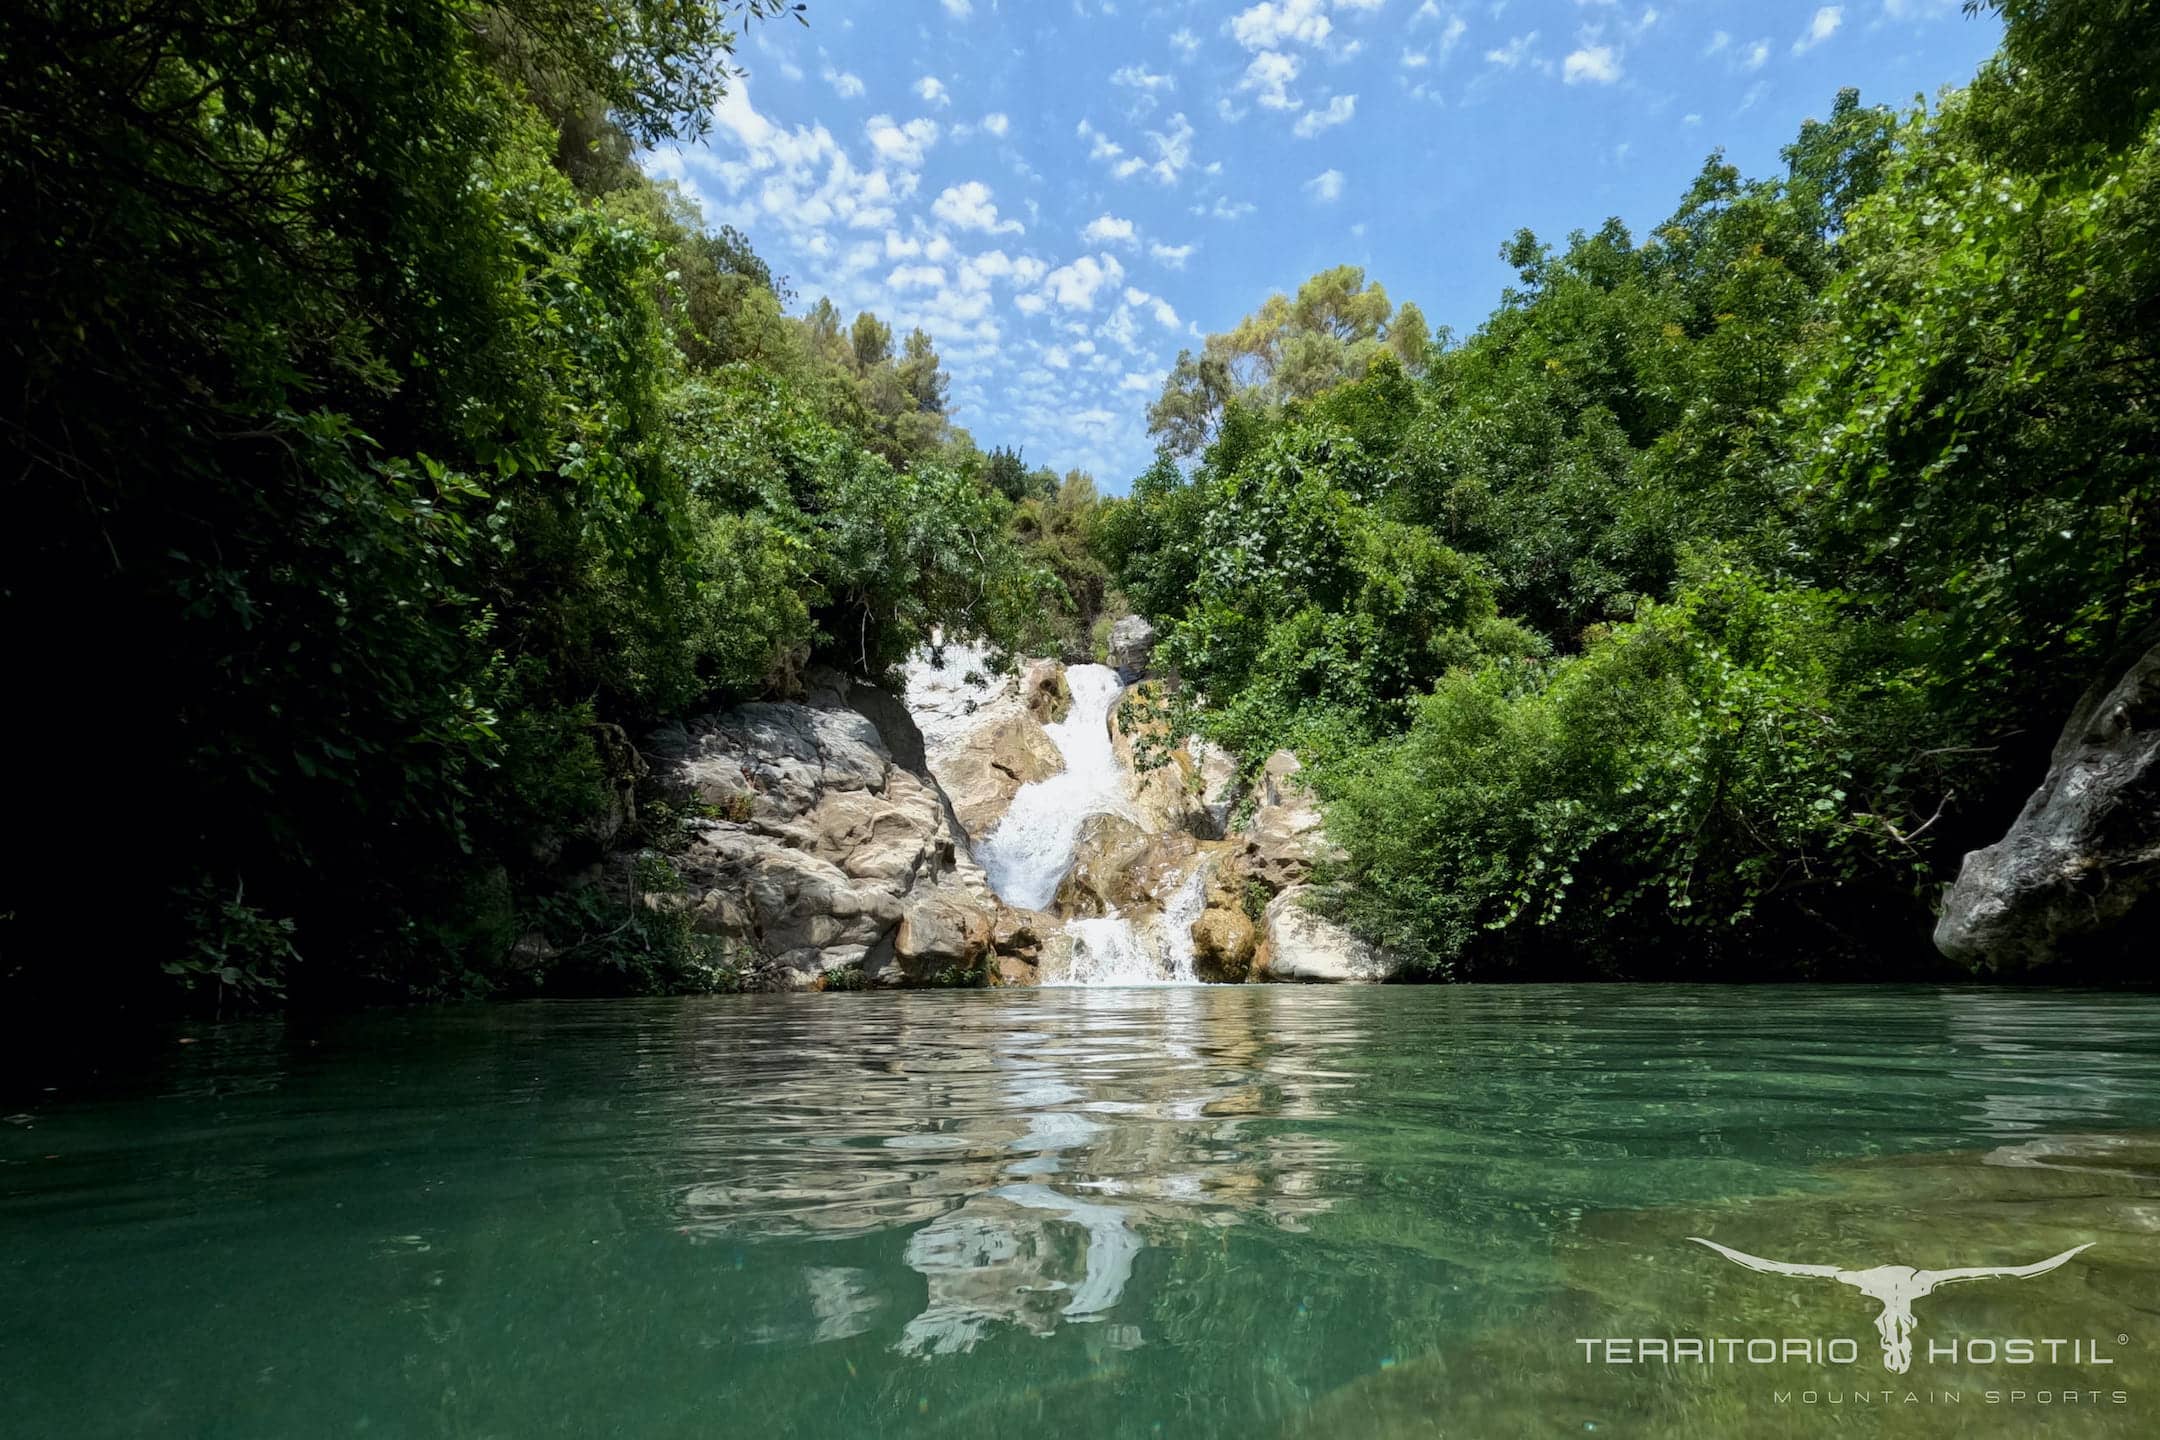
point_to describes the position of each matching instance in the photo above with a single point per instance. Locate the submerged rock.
(2077, 872)
(1304, 946)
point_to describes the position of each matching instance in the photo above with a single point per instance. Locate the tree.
(1288, 349)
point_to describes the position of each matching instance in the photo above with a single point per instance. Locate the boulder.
(1285, 836)
(1132, 645)
(1224, 942)
(822, 848)
(2074, 878)
(1304, 946)
(1105, 874)
(1044, 692)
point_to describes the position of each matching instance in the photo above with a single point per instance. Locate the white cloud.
(1280, 22)
(996, 123)
(1173, 150)
(958, 9)
(1416, 59)
(1326, 187)
(916, 277)
(1110, 230)
(1173, 256)
(1268, 78)
(968, 207)
(1185, 43)
(1137, 383)
(1139, 77)
(1753, 57)
(1338, 112)
(932, 91)
(1718, 41)
(1821, 28)
(845, 85)
(1073, 287)
(1596, 64)
(901, 144)
(1512, 54)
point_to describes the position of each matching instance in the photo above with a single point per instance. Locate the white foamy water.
(1111, 950)
(1029, 853)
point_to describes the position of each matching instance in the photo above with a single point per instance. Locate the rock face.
(1132, 645)
(829, 853)
(2076, 874)
(1309, 947)
(1284, 837)
(983, 735)
(1188, 785)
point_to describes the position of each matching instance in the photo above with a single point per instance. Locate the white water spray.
(1030, 851)
(1112, 950)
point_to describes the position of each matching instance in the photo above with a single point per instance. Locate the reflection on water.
(1089, 1212)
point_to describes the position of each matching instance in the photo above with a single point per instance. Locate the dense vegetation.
(388, 451)
(1696, 613)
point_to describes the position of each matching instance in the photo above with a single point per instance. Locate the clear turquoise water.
(1202, 1212)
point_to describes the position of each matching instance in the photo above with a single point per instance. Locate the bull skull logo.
(1896, 1286)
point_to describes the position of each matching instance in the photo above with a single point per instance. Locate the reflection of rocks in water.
(1009, 1257)
(1022, 1165)
(1632, 1273)
(843, 1304)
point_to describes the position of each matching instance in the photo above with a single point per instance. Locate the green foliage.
(1725, 586)
(388, 449)
(1723, 764)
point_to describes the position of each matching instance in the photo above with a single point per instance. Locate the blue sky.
(1064, 192)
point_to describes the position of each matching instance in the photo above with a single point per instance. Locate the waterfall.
(1112, 950)
(1027, 855)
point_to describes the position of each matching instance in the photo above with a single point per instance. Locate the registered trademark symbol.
(2122, 1339)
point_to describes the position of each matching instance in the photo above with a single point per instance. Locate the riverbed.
(1190, 1211)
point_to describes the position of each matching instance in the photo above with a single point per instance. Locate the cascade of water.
(1027, 855)
(1112, 950)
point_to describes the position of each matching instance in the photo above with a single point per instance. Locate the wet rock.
(1044, 691)
(983, 741)
(1187, 785)
(1224, 942)
(1105, 874)
(1304, 946)
(2074, 879)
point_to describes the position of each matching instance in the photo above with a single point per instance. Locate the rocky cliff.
(2074, 879)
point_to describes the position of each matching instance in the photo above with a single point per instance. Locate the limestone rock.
(826, 851)
(982, 773)
(1044, 692)
(1188, 785)
(983, 741)
(2075, 877)
(1105, 866)
(1285, 836)
(1223, 945)
(1132, 644)
(1308, 947)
